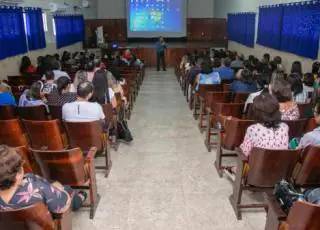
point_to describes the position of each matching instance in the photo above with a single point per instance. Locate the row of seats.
(61, 151)
(212, 104)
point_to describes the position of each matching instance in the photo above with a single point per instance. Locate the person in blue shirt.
(225, 71)
(245, 84)
(6, 97)
(160, 48)
(207, 75)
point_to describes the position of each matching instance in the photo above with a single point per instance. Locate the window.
(45, 23)
(54, 27)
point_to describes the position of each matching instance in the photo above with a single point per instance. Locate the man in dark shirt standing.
(160, 48)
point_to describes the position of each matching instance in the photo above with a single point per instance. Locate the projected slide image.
(155, 15)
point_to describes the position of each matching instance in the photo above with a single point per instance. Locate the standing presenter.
(160, 48)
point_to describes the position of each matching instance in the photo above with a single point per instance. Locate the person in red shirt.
(26, 66)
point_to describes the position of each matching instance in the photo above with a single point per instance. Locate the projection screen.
(154, 18)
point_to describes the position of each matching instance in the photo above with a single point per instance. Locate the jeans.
(160, 58)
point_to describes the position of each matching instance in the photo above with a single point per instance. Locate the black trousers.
(160, 58)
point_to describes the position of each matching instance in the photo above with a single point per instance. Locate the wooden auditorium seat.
(209, 100)
(7, 112)
(55, 165)
(297, 127)
(45, 135)
(35, 113)
(88, 134)
(230, 138)
(34, 217)
(305, 110)
(111, 120)
(12, 134)
(30, 165)
(259, 176)
(56, 112)
(240, 97)
(302, 216)
(224, 110)
(201, 93)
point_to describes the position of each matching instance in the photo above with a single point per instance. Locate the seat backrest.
(204, 88)
(11, 133)
(108, 112)
(214, 97)
(65, 166)
(312, 124)
(84, 134)
(226, 87)
(7, 112)
(235, 130)
(240, 97)
(44, 134)
(35, 217)
(26, 155)
(268, 166)
(297, 127)
(229, 109)
(305, 110)
(35, 113)
(304, 216)
(56, 112)
(309, 173)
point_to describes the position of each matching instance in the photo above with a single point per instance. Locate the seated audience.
(308, 83)
(102, 90)
(281, 89)
(299, 95)
(82, 110)
(33, 96)
(238, 62)
(225, 72)
(245, 84)
(57, 71)
(216, 63)
(40, 65)
(263, 81)
(61, 94)
(269, 132)
(19, 190)
(207, 75)
(127, 56)
(50, 84)
(194, 71)
(6, 97)
(316, 69)
(297, 68)
(26, 66)
(313, 137)
(266, 58)
(81, 76)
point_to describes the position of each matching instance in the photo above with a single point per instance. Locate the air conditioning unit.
(11, 2)
(57, 8)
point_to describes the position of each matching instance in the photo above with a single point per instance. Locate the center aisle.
(165, 179)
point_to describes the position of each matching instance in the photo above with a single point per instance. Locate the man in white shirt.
(82, 110)
(58, 73)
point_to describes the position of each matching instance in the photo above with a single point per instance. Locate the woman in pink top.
(269, 132)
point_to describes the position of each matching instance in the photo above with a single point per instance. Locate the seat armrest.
(241, 155)
(201, 98)
(209, 110)
(92, 153)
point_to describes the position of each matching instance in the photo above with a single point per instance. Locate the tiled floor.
(165, 179)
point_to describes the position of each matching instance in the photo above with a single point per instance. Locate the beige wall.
(10, 66)
(223, 7)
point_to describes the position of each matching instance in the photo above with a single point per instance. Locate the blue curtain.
(270, 26)
(301, 28)
(241, 28)
(69, 30)
(12, 35)
(35, 31)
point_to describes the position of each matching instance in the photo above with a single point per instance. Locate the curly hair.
(10, 164)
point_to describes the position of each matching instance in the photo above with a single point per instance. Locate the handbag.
(287, 195)
(124, 132)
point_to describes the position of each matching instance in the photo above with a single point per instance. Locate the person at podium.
(161, 46)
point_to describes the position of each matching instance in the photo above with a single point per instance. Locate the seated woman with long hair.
(207, 75)
(300, 96)
(26, 66)
(246, 83)
(281, 89)
(102, 91)
(19, 190)
(61, 94)
(33, 96)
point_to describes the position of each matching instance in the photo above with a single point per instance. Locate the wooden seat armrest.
(241, 155)
(274, 206)
(91, 154)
